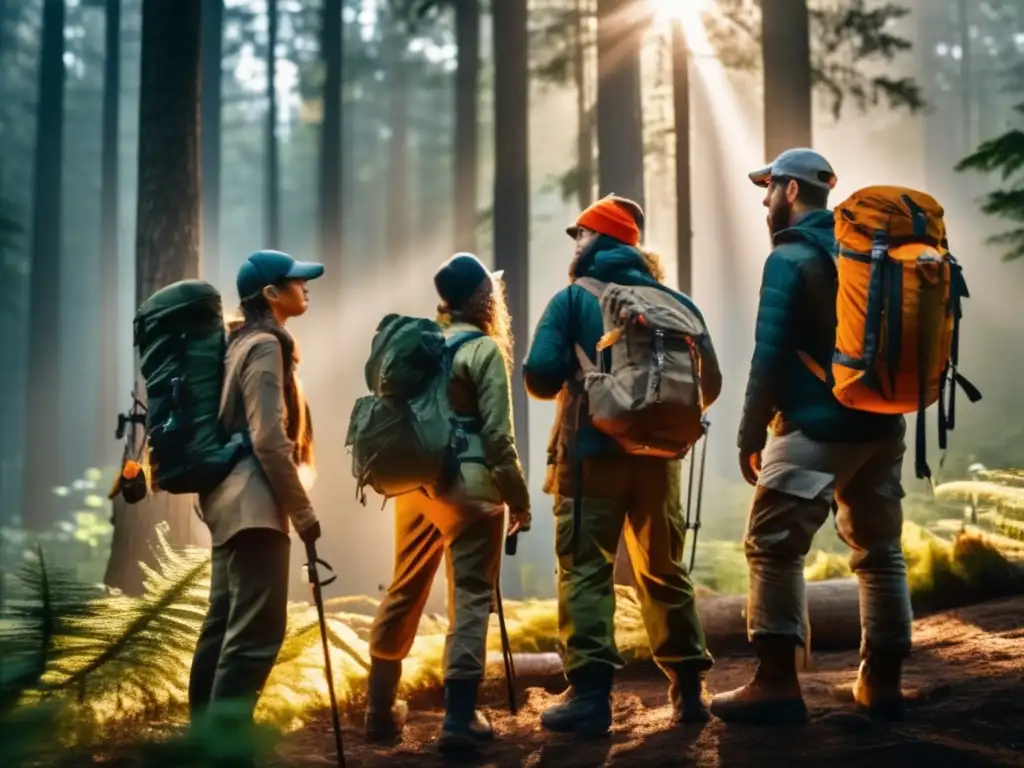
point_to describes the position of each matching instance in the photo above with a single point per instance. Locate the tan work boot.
(878, 686)
(773, 696)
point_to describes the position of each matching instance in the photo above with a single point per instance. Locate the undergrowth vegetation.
(83, 668)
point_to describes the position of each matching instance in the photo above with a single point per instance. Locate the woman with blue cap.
(466, 526)
(250, 514)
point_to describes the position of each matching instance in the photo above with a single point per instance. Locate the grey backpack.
(652, 398)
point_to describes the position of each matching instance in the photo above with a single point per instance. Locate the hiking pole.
(314, 581)
(700, 491)
(511, 544)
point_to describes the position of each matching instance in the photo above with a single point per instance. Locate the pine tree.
(1004, 155)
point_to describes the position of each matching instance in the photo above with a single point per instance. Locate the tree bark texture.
(512, 188)
(106, 449)
(585, 119)
(684, 201)
(168, 235)
(620, 136)
(467, 100)
(168, 221)
(210, 135)
(42, 470)
(786, 56)
(272, 175)
(399, 200)
(330, 218)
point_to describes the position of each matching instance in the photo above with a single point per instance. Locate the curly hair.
(487, 309)
(653, 263)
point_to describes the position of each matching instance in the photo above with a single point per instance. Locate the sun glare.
(678, 9)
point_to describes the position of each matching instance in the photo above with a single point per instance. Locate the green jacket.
(574, 316)
(480, 389)
(797, 311)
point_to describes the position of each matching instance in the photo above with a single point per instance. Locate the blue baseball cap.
(801, 164)
(265, 268)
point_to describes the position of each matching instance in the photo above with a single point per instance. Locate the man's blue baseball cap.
(265, 268)
(802, 164)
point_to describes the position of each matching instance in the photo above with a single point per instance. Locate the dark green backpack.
(181, 337)
(405, 435)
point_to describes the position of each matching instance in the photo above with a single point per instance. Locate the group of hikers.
(822, 431)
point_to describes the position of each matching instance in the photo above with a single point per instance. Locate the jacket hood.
(607, 259)
(612, 261)
(816, 228)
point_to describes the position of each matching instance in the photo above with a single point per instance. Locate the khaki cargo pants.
(799, 480)
(473, 559)
(246, 621)
(630, 495)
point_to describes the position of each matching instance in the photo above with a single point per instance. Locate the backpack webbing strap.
(596, 289)
(591, 285)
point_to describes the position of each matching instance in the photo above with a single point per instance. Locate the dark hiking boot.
(464, 726)
(773, 696)
(878, 686)
(587, 708)
(385, 716)
(686, 694)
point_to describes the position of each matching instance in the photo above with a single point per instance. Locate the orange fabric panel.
(883, 207)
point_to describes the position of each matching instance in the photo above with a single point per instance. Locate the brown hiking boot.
(773, 696)
(686, 693)
(878, 686)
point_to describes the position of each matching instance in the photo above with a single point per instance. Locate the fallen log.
(832, 606)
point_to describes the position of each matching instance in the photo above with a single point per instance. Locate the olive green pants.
(630, 495)
(473, 559)
(246, 622)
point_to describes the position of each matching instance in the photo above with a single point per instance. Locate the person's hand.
(518, 521)
(310, 534)
(750, 466)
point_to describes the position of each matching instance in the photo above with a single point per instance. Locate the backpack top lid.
(191, 302)
(405, 355)
(904, 214)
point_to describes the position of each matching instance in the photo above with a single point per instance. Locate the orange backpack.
(898, 309)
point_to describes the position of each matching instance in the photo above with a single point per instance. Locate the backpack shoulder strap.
(591, 285)
(455, 342)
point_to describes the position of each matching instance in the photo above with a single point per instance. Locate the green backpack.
(405, 435)
(181, 337)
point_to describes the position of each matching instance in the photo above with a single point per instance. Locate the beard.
(779, 218)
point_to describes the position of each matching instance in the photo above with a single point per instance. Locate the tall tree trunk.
(620, 135)
(42, 428)
(398, 199)
(106, 446)
(963, 23)
(684, 202)
(167, 241)
(584, 117)
(272, 180)
(512, 188)
(467, 101)
(331, 43)
(212, 85)
(786, 56)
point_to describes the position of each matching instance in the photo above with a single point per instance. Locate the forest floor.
(964, 684)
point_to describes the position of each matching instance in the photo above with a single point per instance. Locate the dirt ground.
(965, 688)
